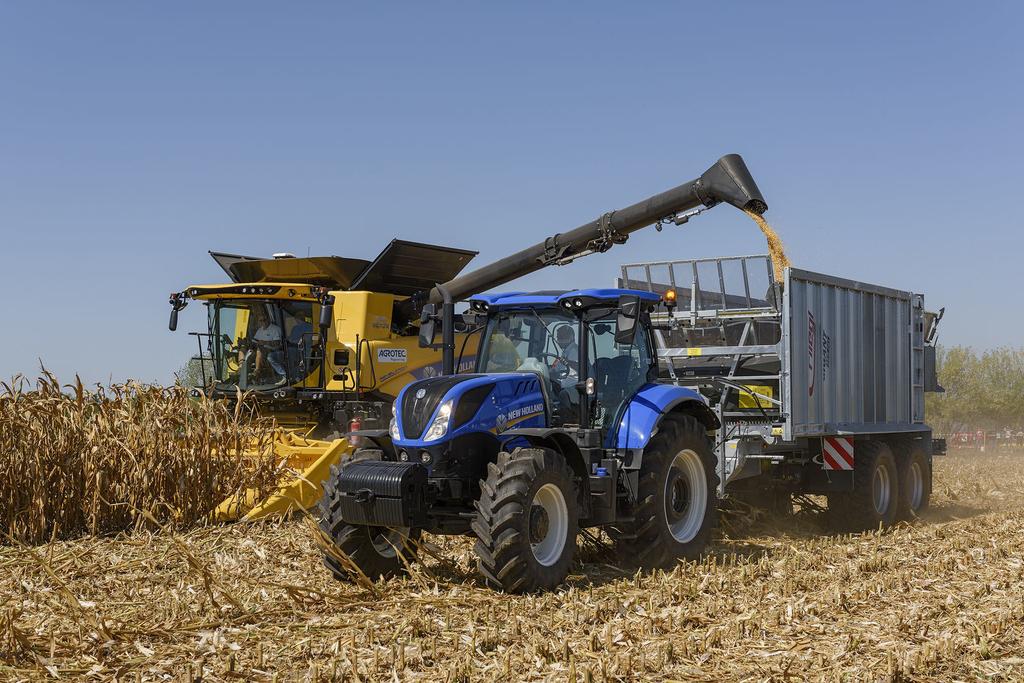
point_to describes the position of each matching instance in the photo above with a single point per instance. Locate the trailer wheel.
(526, 521)
(376, 551)
(915, 483)
(678, 497)
(875, 496)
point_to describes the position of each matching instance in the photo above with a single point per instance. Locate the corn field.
(76, 461)
(774, 599)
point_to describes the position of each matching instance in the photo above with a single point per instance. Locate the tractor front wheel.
(376, 551)
(526, 521)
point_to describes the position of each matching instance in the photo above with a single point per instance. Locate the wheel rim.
(549, 524)
(881, 490)
(916, 486)
(387, 541)
(686, 496)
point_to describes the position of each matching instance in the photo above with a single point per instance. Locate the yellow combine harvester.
(325, 343)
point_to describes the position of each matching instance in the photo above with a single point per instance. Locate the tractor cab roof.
(586, 297)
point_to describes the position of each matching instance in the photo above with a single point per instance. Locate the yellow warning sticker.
(694, 351)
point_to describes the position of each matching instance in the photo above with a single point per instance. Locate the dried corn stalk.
(79, 461)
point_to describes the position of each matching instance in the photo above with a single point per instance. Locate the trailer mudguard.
(646, 408)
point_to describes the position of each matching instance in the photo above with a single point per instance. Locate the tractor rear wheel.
(526, 521)
(914, 483)
(874, 499)
(376, 551)
(677, 503)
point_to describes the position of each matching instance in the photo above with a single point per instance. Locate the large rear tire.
(526, 521)
(677, 504)
(915, 481)
(875, 497)
(378, 552)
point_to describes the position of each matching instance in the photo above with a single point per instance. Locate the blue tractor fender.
(649, 405)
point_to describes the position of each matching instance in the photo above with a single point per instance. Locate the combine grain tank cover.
(406, 268)
(336, 272)
(225, 261)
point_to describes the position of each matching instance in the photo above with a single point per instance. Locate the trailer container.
(814, 380)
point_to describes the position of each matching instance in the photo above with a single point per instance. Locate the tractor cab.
(573, 341)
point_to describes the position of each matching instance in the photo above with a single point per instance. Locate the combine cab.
(324, 343)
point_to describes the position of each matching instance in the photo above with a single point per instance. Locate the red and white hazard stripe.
(837, 453)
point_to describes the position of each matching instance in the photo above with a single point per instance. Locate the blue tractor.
(565, 424)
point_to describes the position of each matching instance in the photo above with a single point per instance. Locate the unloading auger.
(727, 181)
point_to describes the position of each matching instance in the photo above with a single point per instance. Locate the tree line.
(984, 391)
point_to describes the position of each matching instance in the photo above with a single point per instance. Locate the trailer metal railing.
(723, 336)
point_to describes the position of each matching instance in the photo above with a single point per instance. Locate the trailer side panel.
(848, 357)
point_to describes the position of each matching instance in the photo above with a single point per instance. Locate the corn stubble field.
(776, 599)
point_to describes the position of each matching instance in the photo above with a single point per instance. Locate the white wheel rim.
(387, 541)
(549, 524)
(686, 496)
(881, 490)
(916, 486)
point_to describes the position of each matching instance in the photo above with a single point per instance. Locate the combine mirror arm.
(178, 301)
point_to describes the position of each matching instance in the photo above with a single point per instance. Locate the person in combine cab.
(267, 341)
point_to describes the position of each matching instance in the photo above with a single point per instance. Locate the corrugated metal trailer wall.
(852, 360)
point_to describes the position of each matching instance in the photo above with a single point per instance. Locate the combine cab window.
(261, 344)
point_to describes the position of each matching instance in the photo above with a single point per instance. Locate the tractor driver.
(566, 365)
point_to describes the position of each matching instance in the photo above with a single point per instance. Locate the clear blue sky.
(135, 136)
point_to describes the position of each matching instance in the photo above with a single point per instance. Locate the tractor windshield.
(261, 344)
(544, 341)
(541, 341)
(531, 341)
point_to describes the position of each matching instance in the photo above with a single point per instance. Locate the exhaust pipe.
(727, 181)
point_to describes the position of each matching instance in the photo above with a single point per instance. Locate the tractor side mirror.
(625, 324)
(428, 326)
(173, 324)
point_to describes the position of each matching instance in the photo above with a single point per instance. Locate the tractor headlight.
(439, 427)
(393, 429)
